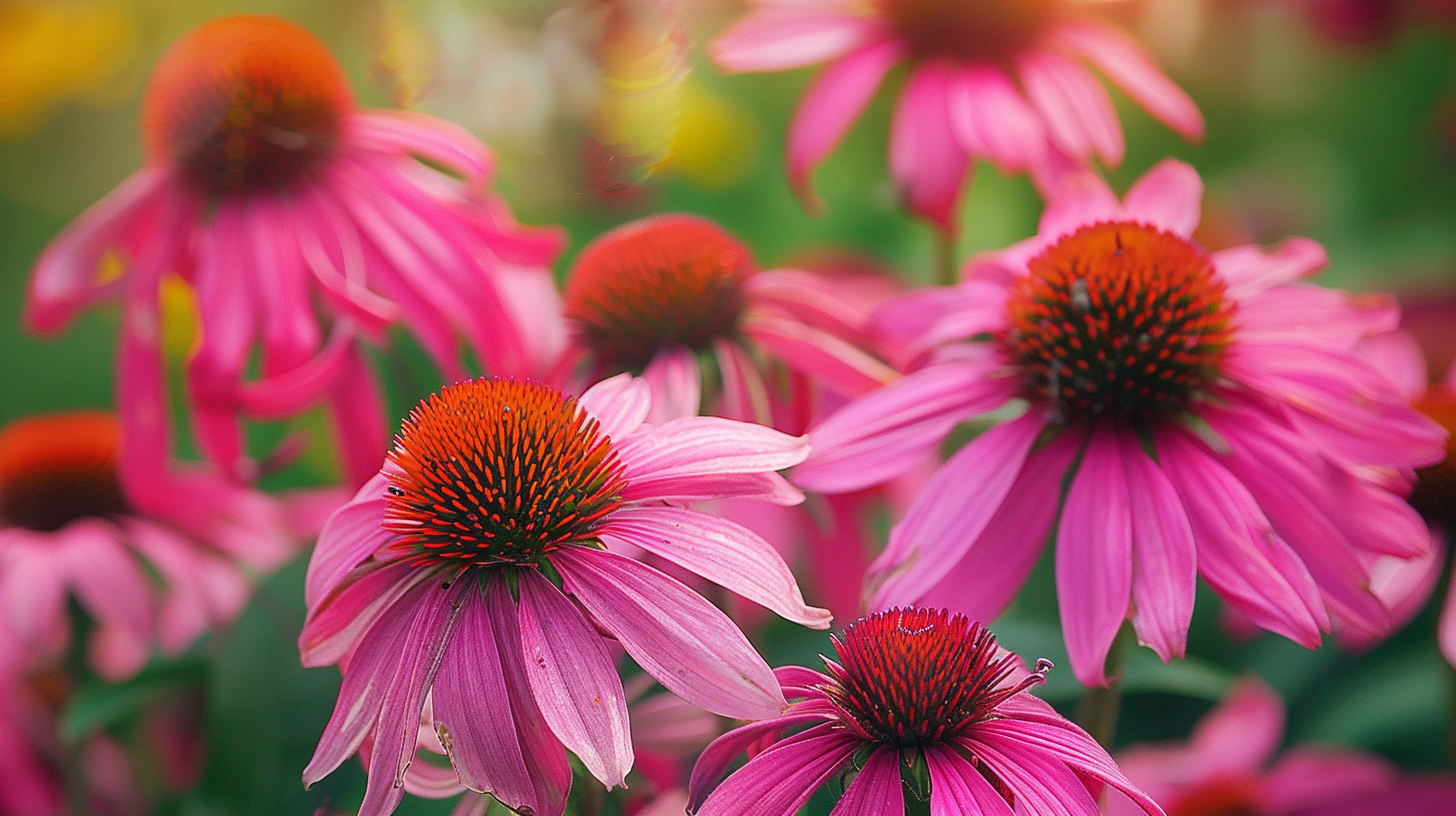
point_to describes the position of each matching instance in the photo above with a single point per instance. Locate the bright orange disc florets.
(246, 103)
(498, 472)
(57, 468)
(657, 282)
(970, 30)
(1119, 319)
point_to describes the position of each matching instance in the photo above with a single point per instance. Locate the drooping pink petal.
(884, 433)
(1065, 743)
(1076, 108)
(1169, 197)
(780, 780)
(838, 364)
(991, 118)
(288, 329)
(957, 787)
(712, 765)
(1310, 777)
(952, 510)
(619, 404)
(573, 680)
(1165, 564)
(343, 614)
(927, 162)
(699, 458)
(107, 579)
(356, 411)
(1094, 556)
(937, 315)
(1242, 733)
(676, 384)
(33, 593)
(722, 551)
(876, 790)
(439, 140)
(691, 647)
(777, 38)
(1249, 270)
(1126, 64)
(1039, 783)
(745, 394)
(835, 98)
(349, 538)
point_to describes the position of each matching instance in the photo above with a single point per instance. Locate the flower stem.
(946, 272)
(1098, 711)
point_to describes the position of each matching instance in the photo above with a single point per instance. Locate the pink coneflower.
(918, 689)
(477, 568)
(666, 294)
(1001, 80)
(70, 527)
(1225, 769)
(303, 226)
(1209, 416)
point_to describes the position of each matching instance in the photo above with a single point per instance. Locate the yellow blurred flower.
(57, 51)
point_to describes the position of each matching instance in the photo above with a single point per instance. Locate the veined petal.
(780, 780)
(619, 403)
(713, 763)
(1165, 566)
(876, 790)
(673, 633)
(673, 457)
(1040, 783)
(1124, 62)
(957, 787)
(350, 537)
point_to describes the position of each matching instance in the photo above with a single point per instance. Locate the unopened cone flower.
(478, 569)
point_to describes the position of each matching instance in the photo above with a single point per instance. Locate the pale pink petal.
(676, 383)
(876, 789)
(1169, 197)
(1076, 108)
(886, 432)
(1398, 356)
(835, 98)
(836, 363)
(745, 396)
(439, 140)
(1081, 199)
(992, 119)
(952, 510)
(1124, 62)
(780, 780)
(1094, 556)
(720, 550)
(1165, 566)
(927, 162)
(957, 787)
(620, 404)
(108, 581)
(1309, 777)
(1249, 270)
(693, 649)
(778, 38)
(573, 680)
(203, 589)
(350, 537)
(700, 458)
(1239, 554)
(1242, 733)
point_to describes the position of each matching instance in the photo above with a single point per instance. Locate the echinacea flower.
(667, 295)
(1001, 80)
(1208, 414)
(915, 693)
(71, 527)
(303, 226)
(477, 568)
(1228, 767)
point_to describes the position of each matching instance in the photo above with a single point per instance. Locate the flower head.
(302, 226)
(481, 570)
(656, 295)
(926, 688)
(1209, 416)
(989, 79)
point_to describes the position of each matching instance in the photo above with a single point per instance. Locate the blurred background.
(1334, 119)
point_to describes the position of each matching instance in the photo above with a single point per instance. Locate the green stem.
(946, 271)
(1098, 711)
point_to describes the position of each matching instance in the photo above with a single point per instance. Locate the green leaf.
(98, 705)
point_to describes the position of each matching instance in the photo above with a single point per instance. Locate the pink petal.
(780, 780)
(1165, 566)
(927, 162)
(992, 119)
(357, 414)
(1126, 64)
(350, 609)
(1082, 198)
(1249, 270)
(780, 38)
(876, 789)
(350, 537)
(952, 510)
(885, 432)
(713, 764)
(289, 329)
(573, 680)
(722, 551)
(619, 404)
(700, 458)
(1076, 108)
(1094, 557)
(1309, 777)
(836, 363)
(835, 98)
(108, 581)
(1039, 783)
(1065, 743)
(676, 383)
(1169, 197)
(1242, 733)
(745, 395)
(1239, 554)
(1446, 630)
(957, 787)
(693, 649)
(414, 134)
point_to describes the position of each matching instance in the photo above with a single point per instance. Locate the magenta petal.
(675, 381)
(700, 458)
(1094, 557)
(414, 134)
(992, 119)
(1126, 64)
(726, 553)
(691, 647)
(1039, 782)
(715, 760)
(953, 509)
(1165, 564)
(1064, 743)
(835, 98)
(573, 680)
(356, 411)
(957, 787)
(780, 780)
(876, 790)
(350, 537)
(1249, 270)
(1169, 197)
(1311, 779)
(841, 366)
(1076, 108)
(335, 624)
(745, 394)
(1242, 733)
(927, 162)
(783, 37)
(1446, 631)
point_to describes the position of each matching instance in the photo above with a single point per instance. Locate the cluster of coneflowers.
(1160, 412)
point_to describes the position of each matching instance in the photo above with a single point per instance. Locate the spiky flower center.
(1119, 319)
(57, 468)
(498, 472)
(915, 677)
(1219, 797)
(970, 30)
(657, 282)
(246, 103)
